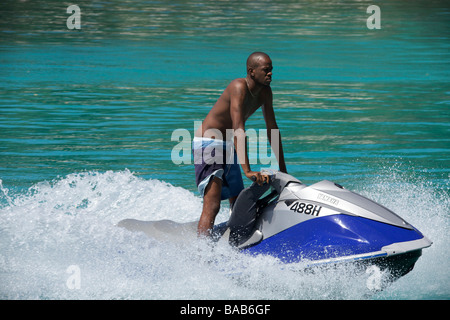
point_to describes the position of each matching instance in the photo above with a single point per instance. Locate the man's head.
(259, 68)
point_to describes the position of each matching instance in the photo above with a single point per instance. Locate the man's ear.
(251, 71)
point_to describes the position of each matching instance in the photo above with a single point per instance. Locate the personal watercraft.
(323, 223)
(316, 225)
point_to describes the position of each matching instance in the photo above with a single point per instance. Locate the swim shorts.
(217, 158)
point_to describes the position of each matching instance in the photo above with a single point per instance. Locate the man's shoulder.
(266, 93)
(236, 86)
(238, 83)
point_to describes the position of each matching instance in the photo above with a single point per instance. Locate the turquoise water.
(86, 119)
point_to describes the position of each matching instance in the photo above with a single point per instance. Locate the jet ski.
(320, 224)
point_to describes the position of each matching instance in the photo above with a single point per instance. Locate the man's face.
(263, 72)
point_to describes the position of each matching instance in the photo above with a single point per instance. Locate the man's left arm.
(271, 124)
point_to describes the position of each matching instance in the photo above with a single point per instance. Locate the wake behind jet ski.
(321, 224)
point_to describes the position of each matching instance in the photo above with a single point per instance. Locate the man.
(222, 179)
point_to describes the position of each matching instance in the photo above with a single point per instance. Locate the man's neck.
(253, 86)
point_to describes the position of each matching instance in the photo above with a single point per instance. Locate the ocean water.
(87, 117)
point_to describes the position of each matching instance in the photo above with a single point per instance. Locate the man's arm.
(237, 97)
(271, 124)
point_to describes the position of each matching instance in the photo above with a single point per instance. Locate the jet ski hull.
(325, 224)
(337, 240)
(331, 237)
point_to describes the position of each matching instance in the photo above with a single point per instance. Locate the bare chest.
(250, 106)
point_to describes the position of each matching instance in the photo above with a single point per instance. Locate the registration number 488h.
(306, 208)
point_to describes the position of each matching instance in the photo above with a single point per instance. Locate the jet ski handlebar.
(278, 179)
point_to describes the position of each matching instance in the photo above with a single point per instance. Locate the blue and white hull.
(324, 224)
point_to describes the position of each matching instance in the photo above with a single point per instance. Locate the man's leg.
(211, 207)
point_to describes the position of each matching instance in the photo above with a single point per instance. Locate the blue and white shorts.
(217, 158)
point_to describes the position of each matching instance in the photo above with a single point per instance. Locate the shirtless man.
(242, 97)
